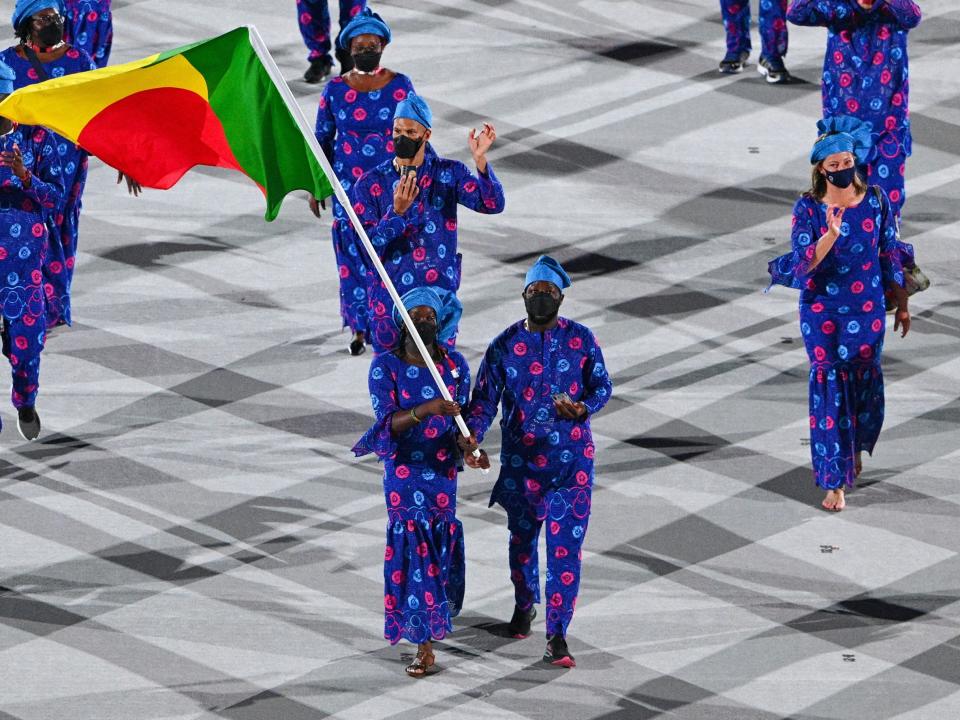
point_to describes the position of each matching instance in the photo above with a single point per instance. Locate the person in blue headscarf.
(845, 255)
(89, 26)
(314, 19)
(417, 439)
(408, 207)
(355, 130)
(866, 75)
(31, 189)
(546, 375)
(41, 54)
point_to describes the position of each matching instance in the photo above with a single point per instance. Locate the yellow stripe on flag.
(36, 104)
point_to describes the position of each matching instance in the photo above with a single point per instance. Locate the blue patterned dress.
(89, 26)
(423, 565)
(546, 462)
(65, 224)
(418, 248)
(773, 27)
(842, 321)
(24, 238)
(314, 19)
(355, 130)
(866, 75)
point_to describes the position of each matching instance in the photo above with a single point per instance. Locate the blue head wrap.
(414, 107)
(444, 303)
(7, 76)
(28, 8)
(546, 268)
(843, 133)
(364, 23)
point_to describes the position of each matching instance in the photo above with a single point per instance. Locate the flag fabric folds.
(210, 103)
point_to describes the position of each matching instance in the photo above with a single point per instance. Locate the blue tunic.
(419, 247)
(842, 320)
(866, 75)
(24, 239)
(61, 258)
(546, 461)
(355, 130)
(424, 560)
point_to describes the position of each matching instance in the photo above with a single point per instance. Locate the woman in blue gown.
(845, 255)
(416, 438)
(39, 24)
(355, 130)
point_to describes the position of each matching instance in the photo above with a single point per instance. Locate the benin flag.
(211, 103)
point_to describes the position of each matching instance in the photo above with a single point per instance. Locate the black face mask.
(841, 178)
(427, 330)
(541, 308)
(6, 125)
(406, 148)
(366, 61)
(50, 35)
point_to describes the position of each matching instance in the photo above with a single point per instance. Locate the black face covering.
(50, 35)
(541, 308)
(366, 61)
(427, 330)
(6, 125)
(405, 148)
(841, 178)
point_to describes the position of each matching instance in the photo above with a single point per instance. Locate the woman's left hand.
(133, 187)
(467, 444)
(568, 409)
(901, 320)
(477, 463)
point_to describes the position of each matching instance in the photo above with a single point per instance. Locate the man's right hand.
(405, 193)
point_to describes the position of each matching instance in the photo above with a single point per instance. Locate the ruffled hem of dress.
(412, 617)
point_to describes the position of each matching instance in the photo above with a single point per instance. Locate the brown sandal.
(424, 660)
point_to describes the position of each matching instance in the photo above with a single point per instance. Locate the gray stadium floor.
(192, 538)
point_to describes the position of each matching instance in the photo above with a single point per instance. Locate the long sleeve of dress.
(486, 393)
(482, 193)
(46, 186)
(819, 12)
(791, 269)
(596, 382)
(894, 253)
(379, 438)
(326, 128)
(904, 13)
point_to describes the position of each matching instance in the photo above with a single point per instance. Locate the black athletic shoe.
(773, 71)
(5, 338)
(557, 652)
(519, 627)
(357, 347)
(733, 63)
(28, 423)
(318, 70)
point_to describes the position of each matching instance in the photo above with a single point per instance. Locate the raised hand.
(405, 193)
(479, 143)
(834, 220)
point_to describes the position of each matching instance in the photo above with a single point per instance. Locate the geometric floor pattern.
(191, 537)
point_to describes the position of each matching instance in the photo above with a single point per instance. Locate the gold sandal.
(424, 660)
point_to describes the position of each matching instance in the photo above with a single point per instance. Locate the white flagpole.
(294, 107)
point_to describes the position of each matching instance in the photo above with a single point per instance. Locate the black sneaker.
(733, 63)
(773, 71)
(557, 652)
(519, 627)
(318, 70)
(28, 423)
(357, 347)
